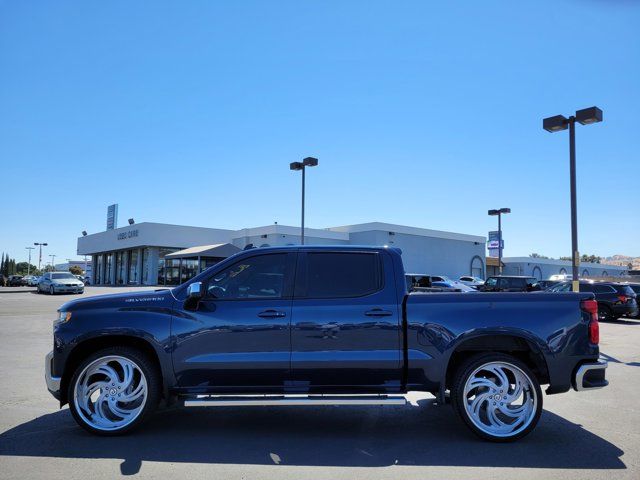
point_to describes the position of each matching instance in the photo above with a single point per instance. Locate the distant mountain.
(622, 260)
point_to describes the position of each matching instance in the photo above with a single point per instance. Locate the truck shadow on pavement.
(422, 435)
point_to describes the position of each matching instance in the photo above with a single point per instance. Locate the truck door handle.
(377, 312)
(272, 314)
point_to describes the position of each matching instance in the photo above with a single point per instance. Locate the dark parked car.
(329, 325)
(511, 283)
(636, 288)
(614, 299)
(546, 284)
(15, 281)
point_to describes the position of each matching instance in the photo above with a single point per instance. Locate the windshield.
(59, 276)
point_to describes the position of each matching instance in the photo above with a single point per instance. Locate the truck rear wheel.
(114, 390)
(497, 396)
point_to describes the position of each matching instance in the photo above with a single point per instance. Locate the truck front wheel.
(497, 396)
(114, 390)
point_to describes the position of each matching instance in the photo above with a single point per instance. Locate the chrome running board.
(291, 400)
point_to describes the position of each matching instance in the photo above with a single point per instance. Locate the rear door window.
(519, 283)
(603, 289)
(339, 275)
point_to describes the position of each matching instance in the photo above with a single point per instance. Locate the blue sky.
(421, 113)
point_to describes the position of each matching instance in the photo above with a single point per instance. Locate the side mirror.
(194, 294)
(195, 290)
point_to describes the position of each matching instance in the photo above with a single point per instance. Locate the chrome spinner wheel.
(110, 393)
(500, 399)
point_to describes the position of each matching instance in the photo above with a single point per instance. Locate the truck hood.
(149, 297)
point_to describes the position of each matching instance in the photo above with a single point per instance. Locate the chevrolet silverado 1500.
(306, 325)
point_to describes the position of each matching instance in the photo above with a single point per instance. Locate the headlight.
(63, 317)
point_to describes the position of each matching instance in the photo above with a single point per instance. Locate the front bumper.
(53, 383)
(590, 376)
(68, 289)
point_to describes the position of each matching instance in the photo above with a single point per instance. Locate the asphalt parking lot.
(580, 435)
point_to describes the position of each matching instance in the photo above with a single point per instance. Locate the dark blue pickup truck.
(306, 325)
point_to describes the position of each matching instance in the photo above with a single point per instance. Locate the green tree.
(76, 270)
(585, 258)
(537, 255)
(590, 258)
(23, 268)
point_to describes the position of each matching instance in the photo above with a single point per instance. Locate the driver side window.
(262, 276)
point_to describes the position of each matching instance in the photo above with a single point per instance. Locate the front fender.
(92, 329)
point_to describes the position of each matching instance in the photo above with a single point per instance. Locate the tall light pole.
(499, 213)
(40, 256)
(53, 259)
(29, 262)
(557, 123)
(307, 162)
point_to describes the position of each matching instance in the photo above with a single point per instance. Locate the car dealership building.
(163, 254)
(543, 268)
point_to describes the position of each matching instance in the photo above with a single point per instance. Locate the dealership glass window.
(188, 269)
(121, 263)
(164, 275)
(172, 272)
(208, 262)
(133, 267)
(145, 266)
(107, 268)
(477, 267)
(99, 268)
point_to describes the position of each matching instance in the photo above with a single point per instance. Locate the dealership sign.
(112, 216)
(128, 234)
(494, 243)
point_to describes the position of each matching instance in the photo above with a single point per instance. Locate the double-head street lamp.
(557, 123)
(499, 214)
(40, 256)
(307, 162)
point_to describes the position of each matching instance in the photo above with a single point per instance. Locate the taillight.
(622, 298)
(591, 307)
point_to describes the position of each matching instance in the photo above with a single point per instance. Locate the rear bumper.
(53, 383)
(590, 376)
(626, 310)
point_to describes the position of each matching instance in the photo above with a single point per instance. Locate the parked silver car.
(471, 281)
(60, 282)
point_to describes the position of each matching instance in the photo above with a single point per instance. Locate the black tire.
(605, 314)
(152, 376)
(466, 370)
(52, 291)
